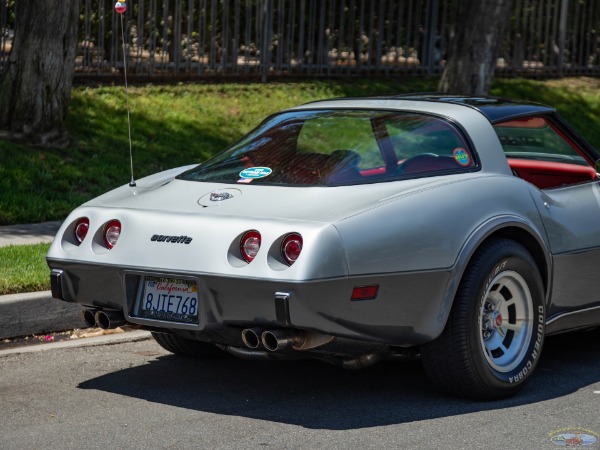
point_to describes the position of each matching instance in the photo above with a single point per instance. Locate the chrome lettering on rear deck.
(171, 239)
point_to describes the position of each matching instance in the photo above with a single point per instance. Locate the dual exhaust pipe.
(276, 340)
(273, 341)
(105, 319)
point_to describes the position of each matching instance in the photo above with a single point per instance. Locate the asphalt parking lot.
(133, 394)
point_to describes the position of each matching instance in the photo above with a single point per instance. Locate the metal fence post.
(562, 36)
(430, 37)
(267, 33)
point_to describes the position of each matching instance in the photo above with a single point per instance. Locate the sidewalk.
(28, 234)
(35, 312)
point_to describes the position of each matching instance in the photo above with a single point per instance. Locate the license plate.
(171, 299)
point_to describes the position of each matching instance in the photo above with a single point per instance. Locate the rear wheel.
(187, 347)
(493, 338)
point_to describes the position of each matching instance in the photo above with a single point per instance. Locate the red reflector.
(291, 248)
(250, 245)
(81, 229)
(365, 292)
(112, 231)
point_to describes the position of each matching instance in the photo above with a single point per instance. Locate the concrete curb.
(112, 339)
(36, 313)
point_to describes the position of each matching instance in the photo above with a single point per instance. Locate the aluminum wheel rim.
(506, 321)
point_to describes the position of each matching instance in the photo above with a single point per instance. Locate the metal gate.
(271, 38)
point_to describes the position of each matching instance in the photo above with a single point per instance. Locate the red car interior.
(545, 174)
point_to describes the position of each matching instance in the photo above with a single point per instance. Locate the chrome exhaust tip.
(251, 337)
(89, 317)
(279, 339)
(109, 319)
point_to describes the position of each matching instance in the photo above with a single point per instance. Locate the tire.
(187, 347)
(492, 341)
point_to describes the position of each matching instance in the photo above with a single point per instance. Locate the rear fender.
(509, 226)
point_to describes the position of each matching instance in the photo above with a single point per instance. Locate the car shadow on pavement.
(319, 396)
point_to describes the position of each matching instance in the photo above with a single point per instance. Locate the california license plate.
(171, 299)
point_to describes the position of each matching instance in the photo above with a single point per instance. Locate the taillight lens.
(291, 248)
(81, 229)
(250, 245)
(112, 231)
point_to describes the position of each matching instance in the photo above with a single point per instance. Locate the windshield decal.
(461, 156)
(254, 173)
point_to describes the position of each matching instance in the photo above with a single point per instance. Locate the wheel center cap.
(498, 320)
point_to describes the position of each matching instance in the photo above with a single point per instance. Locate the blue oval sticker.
(255, 172)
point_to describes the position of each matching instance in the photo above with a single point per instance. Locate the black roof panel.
(495, 109)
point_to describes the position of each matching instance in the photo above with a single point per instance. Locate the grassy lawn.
(177, 125)
(188, 123)
(171, 126)
(23, 269)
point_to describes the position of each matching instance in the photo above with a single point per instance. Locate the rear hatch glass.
(340, 147)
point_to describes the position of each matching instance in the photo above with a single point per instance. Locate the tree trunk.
(35, 88)
(475, 46)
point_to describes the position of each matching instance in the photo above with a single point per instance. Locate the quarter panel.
(427, 230)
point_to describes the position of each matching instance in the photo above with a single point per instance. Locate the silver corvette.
(463, 230)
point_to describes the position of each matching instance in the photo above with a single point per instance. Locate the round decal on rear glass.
(461, 156)
(255, 172)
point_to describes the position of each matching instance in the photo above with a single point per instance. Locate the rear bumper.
(408, 310)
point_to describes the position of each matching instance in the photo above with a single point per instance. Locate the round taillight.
(250, 245)
(291, 248)
(112, 231)
(81, 229)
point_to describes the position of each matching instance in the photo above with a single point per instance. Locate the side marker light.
(365, 292)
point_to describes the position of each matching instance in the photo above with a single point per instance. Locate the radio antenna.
(120, 8)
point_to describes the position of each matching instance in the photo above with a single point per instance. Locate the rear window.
(340, 147)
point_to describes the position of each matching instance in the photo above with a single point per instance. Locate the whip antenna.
(120, 8)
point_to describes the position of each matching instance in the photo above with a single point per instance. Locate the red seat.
(548, 174)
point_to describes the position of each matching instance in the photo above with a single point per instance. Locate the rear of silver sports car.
(256, 286)
(269, 248)
(336, 231)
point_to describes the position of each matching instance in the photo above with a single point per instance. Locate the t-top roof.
(495, 109)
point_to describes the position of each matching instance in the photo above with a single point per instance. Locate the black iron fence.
(268, 38)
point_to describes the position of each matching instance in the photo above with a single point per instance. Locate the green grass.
(171, 126)
(23, 269)
(188, 123)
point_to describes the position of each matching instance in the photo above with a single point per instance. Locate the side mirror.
(597, 169)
